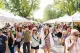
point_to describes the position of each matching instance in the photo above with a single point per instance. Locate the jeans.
(11, 49)
(28, 47)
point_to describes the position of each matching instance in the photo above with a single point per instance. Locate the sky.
(39, 13)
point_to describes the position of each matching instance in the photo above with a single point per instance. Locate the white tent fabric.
(10, 17)
(59, 19)
(2, 18)
(7, 17)
(65, 18)
(32, 21)
(51, 21)
(76, 17)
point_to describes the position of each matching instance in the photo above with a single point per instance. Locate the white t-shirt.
(34, 42)
(19, 39)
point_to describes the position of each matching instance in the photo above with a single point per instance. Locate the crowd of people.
(34, 35)
(69, 38)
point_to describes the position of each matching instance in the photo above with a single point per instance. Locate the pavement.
(55, 49)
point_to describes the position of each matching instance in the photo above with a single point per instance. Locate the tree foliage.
(51, 13)
(68, 6)
(1, 4)
(60, 8)
(22, 8)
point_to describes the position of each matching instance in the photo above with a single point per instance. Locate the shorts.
(37, 47)
(18, 44)
(59, 34)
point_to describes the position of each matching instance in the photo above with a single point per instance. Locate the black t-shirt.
(10, 41)
(2, 42)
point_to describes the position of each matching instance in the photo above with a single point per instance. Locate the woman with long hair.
(35, 40)
(11, 41)
(59, 33)
(19, 36)
(47, 40)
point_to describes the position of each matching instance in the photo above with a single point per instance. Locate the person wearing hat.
(3, 43)
(27, 39)
(73, 42)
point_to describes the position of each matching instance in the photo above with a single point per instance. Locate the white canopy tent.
(32, 21)
(4, 19)
(11, 18)
(76, 17)
(8, 16)
(51, 21)
(65, 18)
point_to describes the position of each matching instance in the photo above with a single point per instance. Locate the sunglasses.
(46, 29)
(34, 30)
(76, 35)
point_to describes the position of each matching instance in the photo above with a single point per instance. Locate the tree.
(60, 8)
(1, 4)
(51, 13)
(67, 6)
(22, 8)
